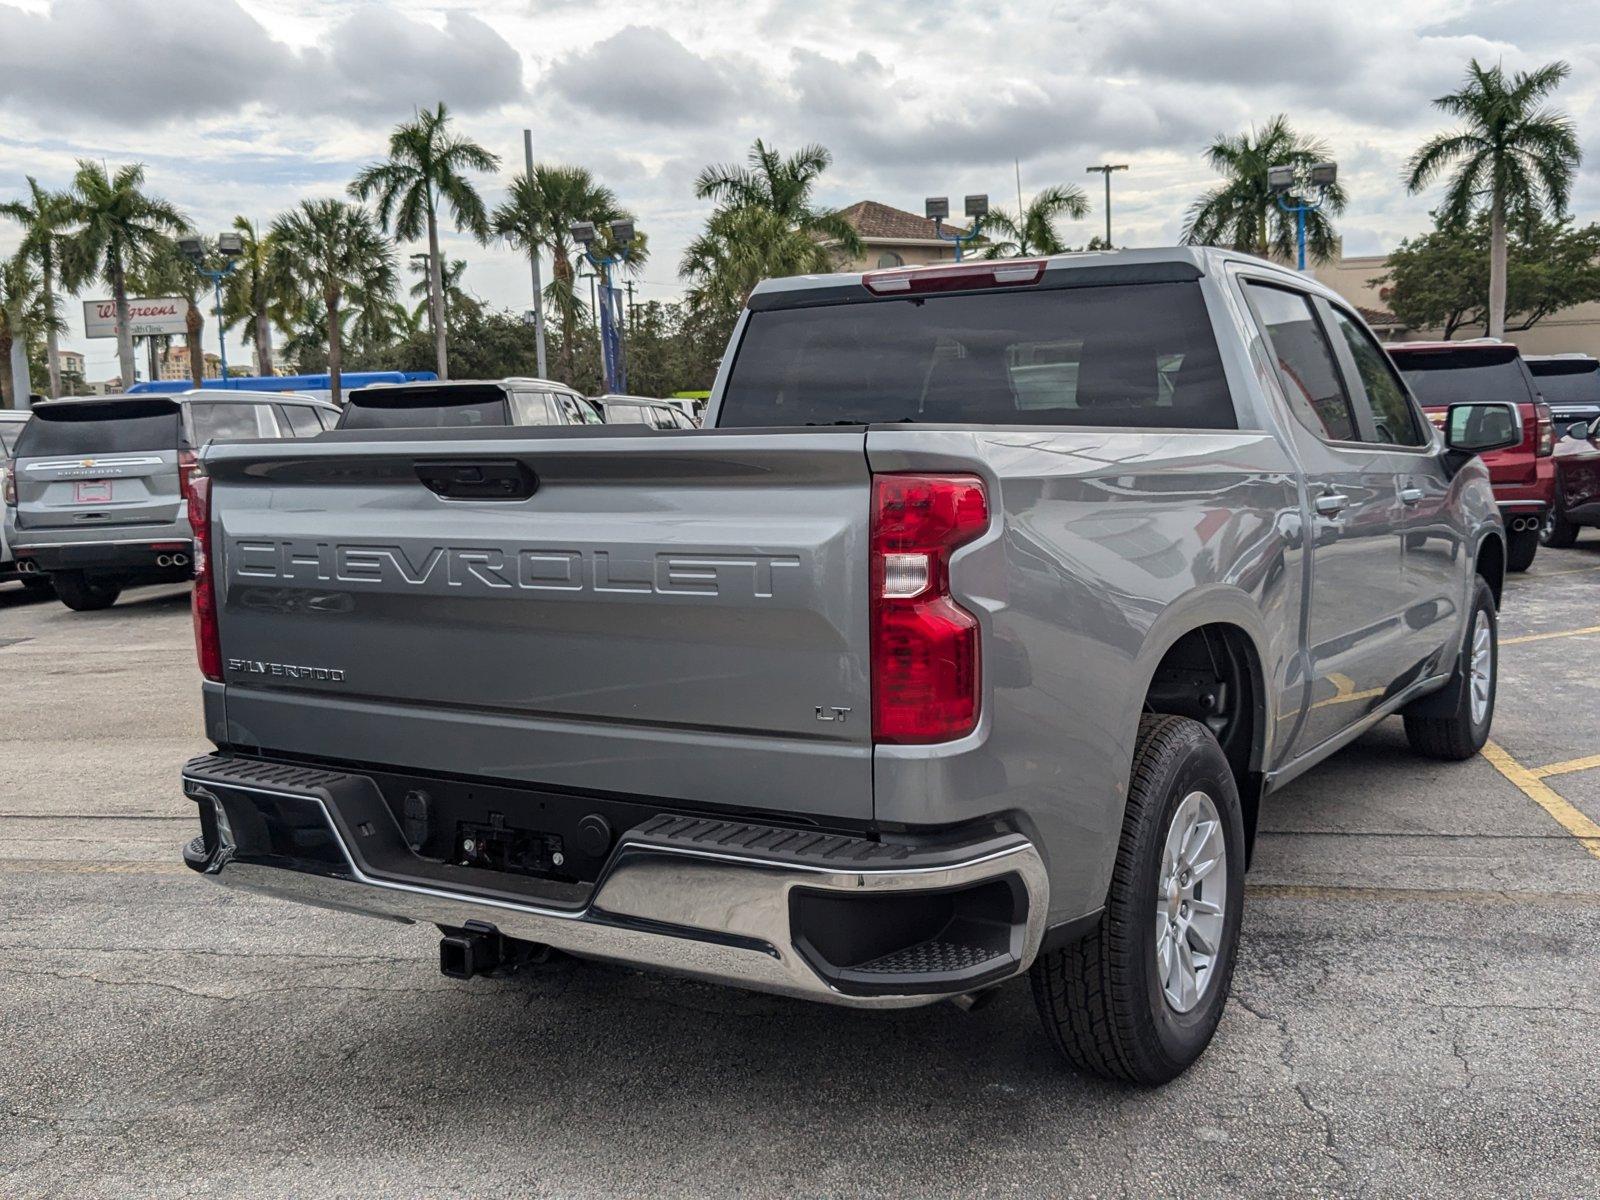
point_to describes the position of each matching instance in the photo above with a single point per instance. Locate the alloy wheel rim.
(1482, 676)
(1191, 902)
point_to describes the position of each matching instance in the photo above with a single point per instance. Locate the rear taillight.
(1544, 432)
(188, 465)
(207, 638)
(8, 482)
(925, 646)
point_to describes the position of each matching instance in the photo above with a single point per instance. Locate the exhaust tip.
(180, 560)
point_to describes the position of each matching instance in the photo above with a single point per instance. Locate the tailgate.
(99, 463)
(665, 615)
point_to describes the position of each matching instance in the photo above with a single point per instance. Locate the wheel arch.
(1489, 560)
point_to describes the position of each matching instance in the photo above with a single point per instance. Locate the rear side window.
(625, 414)
(302, 420)
(1306, 364)
(9, 432)
(532, 408)
(231, 422)
(576, 410)
(80, 428)
(1395, 421)
(1123, 355)
(424, 408)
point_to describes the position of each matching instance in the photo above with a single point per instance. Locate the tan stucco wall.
(913, 254)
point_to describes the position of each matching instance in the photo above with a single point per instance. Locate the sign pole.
(533, 259)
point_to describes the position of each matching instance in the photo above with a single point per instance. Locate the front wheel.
(1453, 724)
(1557, 532)
(1139, 998)
(81, 594)
(1521, 546)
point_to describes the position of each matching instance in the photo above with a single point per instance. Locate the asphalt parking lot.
(1416, 1012)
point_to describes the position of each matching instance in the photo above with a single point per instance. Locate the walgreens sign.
(145, 317)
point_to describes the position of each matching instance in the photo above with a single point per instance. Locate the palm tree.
(782, 187)
(1033, 231)
(1512, 151)
(455, 297)
(428, 162)
(254, 290)
(27, 321)
(337, 255)
(115, 228)
(169, 272)
(538, 216)
(42, 215)
(1242, 214)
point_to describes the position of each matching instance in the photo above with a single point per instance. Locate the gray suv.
(97, 499)
(468, 404)
(965, 643)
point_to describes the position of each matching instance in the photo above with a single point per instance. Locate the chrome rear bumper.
(674, 895)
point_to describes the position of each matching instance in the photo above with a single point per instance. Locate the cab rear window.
(81, 427)
(425, 408)
(1124, 355)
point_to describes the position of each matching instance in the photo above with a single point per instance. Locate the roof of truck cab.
(1153, 264)
(1466, 344)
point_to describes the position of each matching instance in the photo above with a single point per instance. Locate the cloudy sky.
(246, 106)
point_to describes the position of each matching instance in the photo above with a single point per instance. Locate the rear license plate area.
(91, 491)
(498, 847)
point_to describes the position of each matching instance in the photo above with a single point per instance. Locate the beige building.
(1573, 330)
(70, 362)
(175, 364)
(895, 238)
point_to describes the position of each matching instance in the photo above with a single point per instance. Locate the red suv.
(1524, 476)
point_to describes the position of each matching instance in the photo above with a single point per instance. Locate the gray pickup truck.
(964, 642)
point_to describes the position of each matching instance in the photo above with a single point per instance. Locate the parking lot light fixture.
(937, 210)
(609, 301)
(229, 247)
(1285, 185)
(1105, 169)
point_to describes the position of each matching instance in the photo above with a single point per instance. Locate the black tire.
(36, 582)
(1101, 999)
(81, 594)
(1557, 532)
(1521, 546)
(1442, 725)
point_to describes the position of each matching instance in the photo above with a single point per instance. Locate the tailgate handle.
(477, 478)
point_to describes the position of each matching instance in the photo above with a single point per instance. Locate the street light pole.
(533, 259)
(1282, 180)
(230, 246)
(611, 348)
(1106, 169)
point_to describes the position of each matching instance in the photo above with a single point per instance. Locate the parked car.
(1569, 384)
(1577, 494)
(11, 423)
(1441, 373)
(642, 410)
(897, 683)
(468, 404)
(96, 498)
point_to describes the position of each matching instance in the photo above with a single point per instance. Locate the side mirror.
(1578, 431)
(1480, 427)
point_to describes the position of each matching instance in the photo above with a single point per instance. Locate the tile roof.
(873, 220)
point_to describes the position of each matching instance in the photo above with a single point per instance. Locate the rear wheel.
(82, 594)
(1557, 531)
(1453, 724)
(1521, 546)
(1139, 998)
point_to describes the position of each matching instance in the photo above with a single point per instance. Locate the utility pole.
(1106, 169)
(533, 259)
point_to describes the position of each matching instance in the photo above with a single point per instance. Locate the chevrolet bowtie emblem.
(86, 462)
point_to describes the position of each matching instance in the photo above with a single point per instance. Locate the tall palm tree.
(254, 290)
(43, 216)
(1243, 214)
(783, 187)
(456, 298)
(337, 254)
(114, 228)
(169, 272)
(538, 216)
(428, 163)
(1511, 151)
(1033, 230)
(27, 319)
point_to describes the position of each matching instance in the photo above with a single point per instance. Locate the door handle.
(1410, 495)
(1330, 504)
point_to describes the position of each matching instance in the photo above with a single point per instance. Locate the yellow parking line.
(1566, 768)
(1573, 571)
(1534, 788)
(1541, 637)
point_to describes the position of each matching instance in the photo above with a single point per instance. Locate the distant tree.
(1033, 230)
(1242, 214)
(428, 164)
(1440, 279)
(168, 272)
(25, 317)
(254, 291)
(1512, 153)
(113, 228)
(339, 258)
(537, 217)
(43, 215)
(456, 298)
